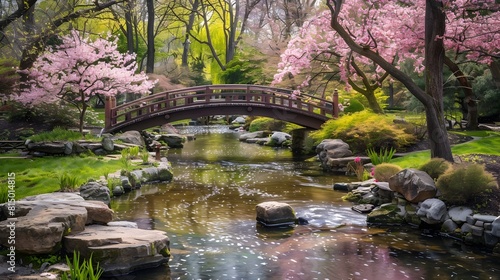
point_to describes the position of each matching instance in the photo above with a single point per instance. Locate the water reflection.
(208, 212)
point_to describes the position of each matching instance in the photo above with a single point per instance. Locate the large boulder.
(93, 190)
(42, 221)
(274, 213)
(131, 137)
(415, 185)
(120, 250)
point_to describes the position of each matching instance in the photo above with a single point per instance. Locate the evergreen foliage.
(435, 167)
(464, 183)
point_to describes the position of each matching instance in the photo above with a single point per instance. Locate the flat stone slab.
(41, 221)
(120, 250)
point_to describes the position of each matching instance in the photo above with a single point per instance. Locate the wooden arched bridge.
(189, 103)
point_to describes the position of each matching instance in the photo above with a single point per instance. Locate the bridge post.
(110, 104)
(335, 104)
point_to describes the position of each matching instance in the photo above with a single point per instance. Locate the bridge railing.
(212, 94)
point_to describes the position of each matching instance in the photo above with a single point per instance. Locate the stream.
(208, 212)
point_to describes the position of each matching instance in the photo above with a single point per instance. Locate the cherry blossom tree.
(78, 69)
(384, 33)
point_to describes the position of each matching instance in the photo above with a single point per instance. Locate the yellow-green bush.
(464, 184)
(384, 171)
(363, 130)
(435, 167)
(264, 123)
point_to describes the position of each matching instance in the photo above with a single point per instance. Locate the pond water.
(208, 212)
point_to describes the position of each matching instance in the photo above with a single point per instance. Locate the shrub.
(265, 123)
(383, 156)
(382, 172)
(435, 167)
(363, 130)
(465, 183)
(354, 106)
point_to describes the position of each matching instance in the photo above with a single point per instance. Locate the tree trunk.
(129, 26)
(189, 27)
(432, 99)
(434, 61)
(471, 114)
(150, 63)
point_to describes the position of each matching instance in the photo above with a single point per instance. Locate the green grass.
(42, 175)
(488, 145)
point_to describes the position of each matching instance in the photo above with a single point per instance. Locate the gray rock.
(118, 190)
(120, 250)
(495, 227)
(280, 137)
(415, 185)
(484, 218)
(95, 191)
(449, 226)
(459, 214)
(53, 148)
(68, 148)
(131, 137)
(257, 134)
(172, 140)
(125, 183)
(239, 120)
(432, 211)
(108, 144)
(274, 213)
(42, 221)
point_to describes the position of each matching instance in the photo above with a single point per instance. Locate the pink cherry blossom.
(79, 69)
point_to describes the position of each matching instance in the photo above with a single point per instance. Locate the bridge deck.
(219, 100)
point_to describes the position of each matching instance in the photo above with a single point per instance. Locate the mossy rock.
(386, 214)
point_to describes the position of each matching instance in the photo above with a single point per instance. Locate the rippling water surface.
(208, 212)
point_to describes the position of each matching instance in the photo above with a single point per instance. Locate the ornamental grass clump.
(465, 184)
(382, 172)
(384, 155)
(436, 167)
